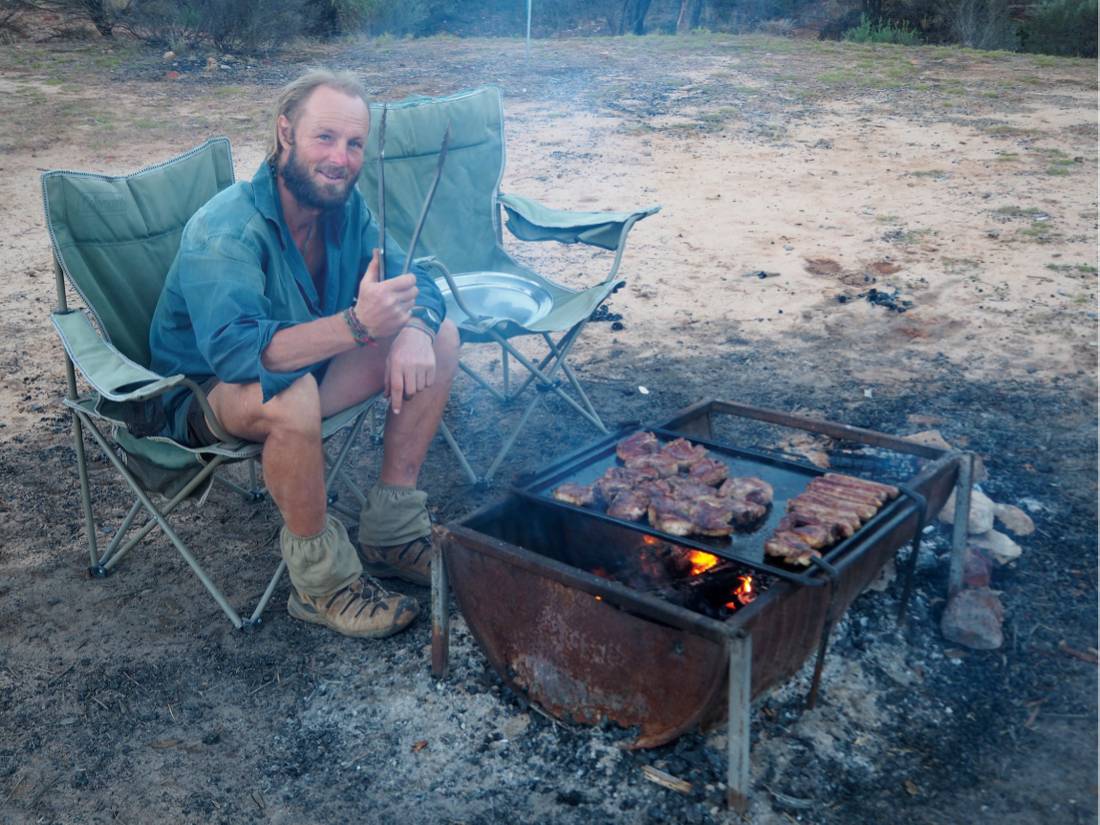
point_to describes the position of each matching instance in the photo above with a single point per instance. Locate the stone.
(981, 512)
(169, 55)
(973, 618)
(516, 726)
(999, 546)
(978, 567)
(1014, 519)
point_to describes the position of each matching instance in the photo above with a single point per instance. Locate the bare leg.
(289, 425)
(356, 375)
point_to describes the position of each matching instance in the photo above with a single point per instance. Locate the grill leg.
(441, 619)
(737, 733)
(962, 520)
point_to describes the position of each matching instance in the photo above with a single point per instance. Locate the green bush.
(1065, 27)
(885, 32)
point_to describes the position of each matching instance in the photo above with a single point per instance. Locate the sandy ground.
(793, 179)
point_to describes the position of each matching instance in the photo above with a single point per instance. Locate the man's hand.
(383, 305)
(410, 366)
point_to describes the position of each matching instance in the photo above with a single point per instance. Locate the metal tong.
(415, 239)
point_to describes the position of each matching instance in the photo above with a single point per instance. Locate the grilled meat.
(886, 491)
(662, 464)
(620, 479)
(790, 547)
(670, 515)
(830, 488)
(629, 505)
(639, 444)
(685, 488)
(844, 524)
(745, 512)
(811, 530)
(684, 452)
(747, 487)
(709, 471)
(710, 516)
(579, 494)
(862, 511)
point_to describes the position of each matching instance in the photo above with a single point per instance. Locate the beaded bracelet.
(359, 332)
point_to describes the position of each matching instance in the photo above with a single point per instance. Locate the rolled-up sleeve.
(223, 285)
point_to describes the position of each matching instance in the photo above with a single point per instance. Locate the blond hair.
(294, 95)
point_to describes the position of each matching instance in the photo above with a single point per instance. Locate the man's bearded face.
(326, 186)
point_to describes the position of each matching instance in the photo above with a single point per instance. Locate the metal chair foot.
(98, 571)
(251, 625)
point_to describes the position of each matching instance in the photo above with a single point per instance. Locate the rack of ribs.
(830, 509)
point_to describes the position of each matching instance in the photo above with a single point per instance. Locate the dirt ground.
(896, 238)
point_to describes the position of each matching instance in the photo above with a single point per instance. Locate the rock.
(211, 65)
(515, 727)
(998, 545)
(1015, 519)
(981, 512)
(978, 567)
(169, 55)
(973, 618)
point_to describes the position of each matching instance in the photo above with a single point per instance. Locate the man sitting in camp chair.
(267, 306)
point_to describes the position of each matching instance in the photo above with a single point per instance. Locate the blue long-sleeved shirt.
(239, 278)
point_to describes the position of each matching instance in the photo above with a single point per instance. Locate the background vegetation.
(1063, 27)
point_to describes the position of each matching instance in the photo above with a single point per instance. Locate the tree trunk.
(633, 16)
(691, 12)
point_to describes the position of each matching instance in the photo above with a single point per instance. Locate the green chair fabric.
(463, 232)
(113, 241)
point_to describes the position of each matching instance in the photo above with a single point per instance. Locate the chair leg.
(461, 456)
(102, 568)
(161, 522)
(572, 376)
(504, 369)
(254, 619)
(85, 490)
(493, 391)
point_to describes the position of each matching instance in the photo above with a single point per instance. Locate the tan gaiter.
(394, 515)
(320, 564)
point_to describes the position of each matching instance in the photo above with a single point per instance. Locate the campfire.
(612, 619)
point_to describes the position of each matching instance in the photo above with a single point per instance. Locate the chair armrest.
(110, 373)
(532, 221)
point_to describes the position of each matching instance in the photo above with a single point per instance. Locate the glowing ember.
(701, 562)
(744, 593)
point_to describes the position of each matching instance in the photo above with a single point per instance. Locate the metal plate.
(499, 295)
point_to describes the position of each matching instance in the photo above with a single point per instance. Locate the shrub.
(980, 24)
(1065, 27)
(780, 27)
(885, 32)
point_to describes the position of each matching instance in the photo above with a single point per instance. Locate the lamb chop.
(629, 505)
(708, 471)
(686, 488)
(684, 452)
(662, 464)
(637, 445)
(671, 515)
(579, 494)
(620, 479)
(790, 547)
(747, 487)
(711, 516)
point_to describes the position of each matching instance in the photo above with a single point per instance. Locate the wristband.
(417, 324)
(359, 332)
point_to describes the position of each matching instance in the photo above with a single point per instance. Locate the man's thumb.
(371, 274)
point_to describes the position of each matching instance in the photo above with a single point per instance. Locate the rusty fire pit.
(587, 648)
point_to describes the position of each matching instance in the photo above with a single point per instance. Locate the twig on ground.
(1084, 655)
(15, 787)
(666, 780)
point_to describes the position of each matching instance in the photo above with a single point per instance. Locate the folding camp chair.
(462, 236)
(113, 241)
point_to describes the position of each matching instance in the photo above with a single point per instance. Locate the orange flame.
(701, 562)
(744, 593)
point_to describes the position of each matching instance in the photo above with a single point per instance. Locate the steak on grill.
(579, 494)
(637, 445)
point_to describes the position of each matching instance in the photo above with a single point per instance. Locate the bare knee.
(296, 411)
(446, 349)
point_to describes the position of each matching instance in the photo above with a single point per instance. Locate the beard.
(311, 193)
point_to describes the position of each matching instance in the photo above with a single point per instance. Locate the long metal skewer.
(420, 225)
(382, 195)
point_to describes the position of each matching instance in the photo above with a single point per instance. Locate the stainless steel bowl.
(498, 295)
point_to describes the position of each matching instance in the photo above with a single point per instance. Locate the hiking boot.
(411, 561)
(363, 609)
